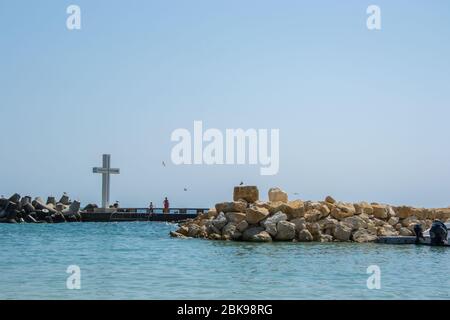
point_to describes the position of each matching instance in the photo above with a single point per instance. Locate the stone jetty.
(17, 209)
(246, 218)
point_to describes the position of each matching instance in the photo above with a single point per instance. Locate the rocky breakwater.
(17, 209)
(246, 218)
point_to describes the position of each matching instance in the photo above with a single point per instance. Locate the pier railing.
(159, 210)
(142, 214)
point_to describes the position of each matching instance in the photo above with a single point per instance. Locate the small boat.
(437, 235)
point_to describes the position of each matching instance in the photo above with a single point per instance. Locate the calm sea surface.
(140, 261)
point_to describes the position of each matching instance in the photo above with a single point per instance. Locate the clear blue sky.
(363, 115)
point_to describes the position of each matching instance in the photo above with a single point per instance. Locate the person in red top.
(166, 205)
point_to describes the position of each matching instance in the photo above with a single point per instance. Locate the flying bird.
(241, 184)
(164, 164)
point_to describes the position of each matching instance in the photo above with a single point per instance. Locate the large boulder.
(391, 212)
(342, 232)
(255, 214)
(328, 225)
(270, 224)
(405, 212)
(410, 220)
(315, 215)
(247, 193)
(220, 221)
(371, 228)
(194, 230)
(229, 232)
(285, 231)
(386, 231)
(380, 211)
(234, 206)
(314, 228)
(363, 208)
(263, 236)
(440, 214)
(251, 232)
(355, 222)
(175, 234)
(214, 236)
(300, 224)
(342, 211)
(326, 238)
(311, 205)
(393, 221)
(363, 235)
(211, 228)
(330, 199)
(256, 234)
(242, 226)
(305, 236)
(276, 194)
(378, 222)
(212, 213)
(405, 232)
(235, 217)
(294, 209)
(325, 210)
(183, 230)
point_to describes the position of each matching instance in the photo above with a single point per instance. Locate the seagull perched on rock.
(241, 184)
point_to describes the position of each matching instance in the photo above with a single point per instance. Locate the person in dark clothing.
(150, 207)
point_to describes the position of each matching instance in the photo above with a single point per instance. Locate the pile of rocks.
(248, 219)
(19, 209)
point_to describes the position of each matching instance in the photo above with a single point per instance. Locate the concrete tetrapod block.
(64, 199)
(73, 209)
(15, 198)
(51, 200)
(39, 204)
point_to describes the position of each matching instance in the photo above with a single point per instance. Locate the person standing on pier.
(166, 205)
(150, 207)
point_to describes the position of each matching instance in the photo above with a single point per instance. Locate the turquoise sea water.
(140, 261)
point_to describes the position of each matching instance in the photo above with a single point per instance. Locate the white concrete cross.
(106, 171)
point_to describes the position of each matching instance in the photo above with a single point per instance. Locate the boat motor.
(419, 233)
(438, 233)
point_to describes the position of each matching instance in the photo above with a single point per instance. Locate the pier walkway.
(141, 214)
